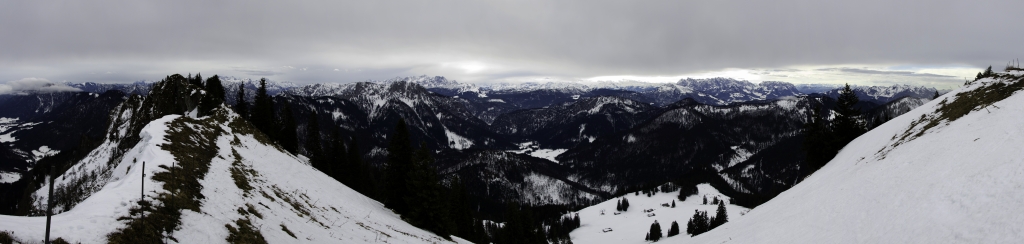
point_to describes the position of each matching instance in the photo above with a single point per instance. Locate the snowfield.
(286, 192)
(959, 182)
(632, 225)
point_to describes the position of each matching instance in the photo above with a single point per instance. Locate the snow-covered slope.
(248, 185)
(631, 225)
(957, 180)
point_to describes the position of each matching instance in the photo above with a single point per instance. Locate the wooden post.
(49, 206)
(142, 194)
(142, 190)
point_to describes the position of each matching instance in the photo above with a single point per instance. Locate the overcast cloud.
(33, 85)
(488, 41)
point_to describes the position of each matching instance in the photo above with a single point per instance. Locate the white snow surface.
(43, 152)
(456, 141)
(337, 213)
(9, 177)
(960, 182)
(631, 226)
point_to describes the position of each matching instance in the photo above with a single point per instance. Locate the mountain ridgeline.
(428, 145)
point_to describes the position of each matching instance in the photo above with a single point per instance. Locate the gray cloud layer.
(33, 85)
(82, 40)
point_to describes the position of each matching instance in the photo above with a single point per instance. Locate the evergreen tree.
(720, 216)
(823, 140)
(673, 203)
(699, 223)
(818, 141)
(691, 227)
(197, 80)
(263, 110)
(625, 204)
(936, 95)
(655, 232)
(424, 195)
(288, 135)
(339, 169)
(214, 96)
(242, 107)
(846, 125)
(314, 147)
(618, 205)
(461, 211)
(399, 161)
(519, 228)
(359, 172)
(576, 220)
(673, 230)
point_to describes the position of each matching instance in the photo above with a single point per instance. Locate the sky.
(867, 42)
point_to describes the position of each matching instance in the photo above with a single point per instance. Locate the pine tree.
(673, 203)
(673, 230)
(625, 204)
(263, 110)
(655, 233)
(461, 212)
(705, 200)
(690, 227)
(288, 135)
(618, 205)
(313, 144)
(399, 161)
(425, 203)
(340, 166)
(359, 172)
(818, 141)
(698, 224)
(576, 220)
(721, 217)
(845, 124)
(214, 96)
(197, 80)
(519, 227)
(241, 106)
(936, 95)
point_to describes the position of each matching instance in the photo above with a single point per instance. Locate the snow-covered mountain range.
(945, 172)
(555, 146)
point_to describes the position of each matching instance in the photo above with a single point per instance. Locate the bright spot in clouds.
(467, 67)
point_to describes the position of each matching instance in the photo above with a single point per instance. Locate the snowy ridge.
(285, 193)
(954, 182)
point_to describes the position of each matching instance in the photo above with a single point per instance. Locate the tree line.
(823, 138)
